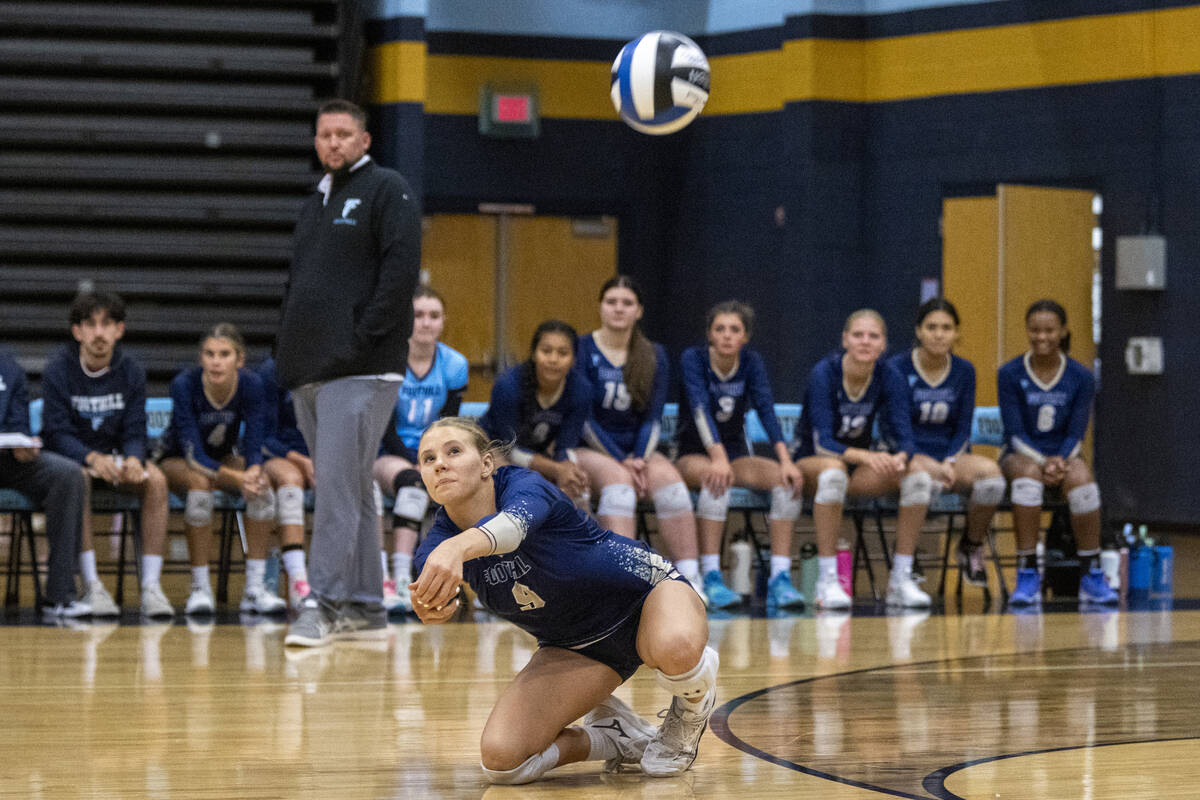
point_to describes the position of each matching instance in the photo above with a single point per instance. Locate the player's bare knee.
(678, 650)
(498, 751)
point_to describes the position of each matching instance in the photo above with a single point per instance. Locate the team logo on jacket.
(347, 209)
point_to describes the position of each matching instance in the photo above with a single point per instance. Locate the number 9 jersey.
(942, 405)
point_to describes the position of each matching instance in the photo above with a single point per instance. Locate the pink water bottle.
(845, 566)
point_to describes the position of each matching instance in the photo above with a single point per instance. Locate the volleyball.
(660, 82)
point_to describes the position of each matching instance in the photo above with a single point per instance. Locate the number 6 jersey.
(569, 583)
(1046, 419)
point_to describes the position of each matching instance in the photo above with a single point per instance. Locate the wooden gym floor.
(969, 702)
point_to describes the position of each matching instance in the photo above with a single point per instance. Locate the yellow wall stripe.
(1055, 53)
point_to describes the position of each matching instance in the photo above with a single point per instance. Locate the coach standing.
(342, 350)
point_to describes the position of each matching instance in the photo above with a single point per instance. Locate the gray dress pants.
(343, 421)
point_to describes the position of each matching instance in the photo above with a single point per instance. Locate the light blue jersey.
(423, 398)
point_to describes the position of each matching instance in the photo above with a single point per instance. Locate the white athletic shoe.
(262, 601)
(697, 583)
(904, 592)
(101, 601)
(400, 600)
(200, 601)
(831, 596)
(155, 603)
(391, 595)
(673, 748)
(620, 723)
(297, 591)
(72, 610)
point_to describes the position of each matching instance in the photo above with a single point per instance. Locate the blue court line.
(719, 723)
(935, 782)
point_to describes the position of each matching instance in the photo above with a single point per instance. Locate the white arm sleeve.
(505, 531)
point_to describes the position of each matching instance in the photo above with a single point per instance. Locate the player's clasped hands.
(435, 591)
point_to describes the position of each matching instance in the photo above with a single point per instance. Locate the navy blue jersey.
(1049, 419)
(206, 434)
(513, 415)
(281, 433)
(832, 420)
(714, 406)
(105, 412)
(570, 582)
(615, 426)
(14, 396)
(941, 412)
(421, 399)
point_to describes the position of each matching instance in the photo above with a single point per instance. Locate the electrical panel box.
(1141, 262)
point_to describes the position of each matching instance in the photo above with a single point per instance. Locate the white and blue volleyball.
(660, 82)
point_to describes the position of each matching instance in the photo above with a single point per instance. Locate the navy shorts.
(619, 649)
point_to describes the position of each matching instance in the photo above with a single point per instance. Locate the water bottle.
(1141, 568)
(810, 571)
(1127, 537)
(1041, 558)
(1144, 539)
(741, 553)
(271, 575)
(1162, 580)
(845, 566)
(1110, 562)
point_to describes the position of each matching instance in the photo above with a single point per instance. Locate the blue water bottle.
(1163, 579)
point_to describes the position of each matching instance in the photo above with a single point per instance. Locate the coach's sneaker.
(361, 621)
(970, 562)
(1094, 588)
(782, 594)
(297, 591)
(719, 595)
(903, 592)
(314, 627)
(155, 603)
(200, 601)
(673, 748)
(830, 594)
(262, 600)
(621, 724)
(1029, 588)
(72, 610)
(101, 601)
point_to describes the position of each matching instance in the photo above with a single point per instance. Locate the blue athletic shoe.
(1029, 588)
(719, 595)
(1094, 588)
(781, 593)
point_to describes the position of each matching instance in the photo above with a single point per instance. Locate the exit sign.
(509, 113)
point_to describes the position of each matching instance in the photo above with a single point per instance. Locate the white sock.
(151, 570)
(902, 565)
(602, 747)
(200, 576)
(87, 565)
(383, 559)
(688, 568)
(294, 564)
(710, 562)
(256, 570)
(402, 567)
(780, 564)
(828, 565)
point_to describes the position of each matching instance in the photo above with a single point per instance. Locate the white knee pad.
(1084, 499)
(1027, 492)
(831, 487)
(697, 681)
(987, 492)
(673, 500)
(529, 770)
(262, 506)
(411, 505)
(377, 496)
(714, 508)
(198, 510)
(617, 500)
(916, 489)
(784, 505)
(289, 505)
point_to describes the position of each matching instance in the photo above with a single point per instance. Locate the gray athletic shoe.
(361, 621)
(673, 748)
(315, 625)
(620, 723)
